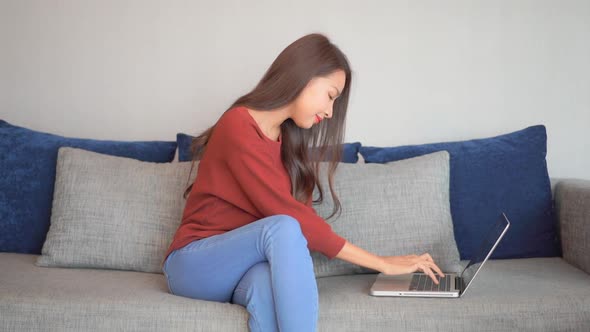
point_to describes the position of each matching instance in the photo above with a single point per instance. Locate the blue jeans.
(264, 266)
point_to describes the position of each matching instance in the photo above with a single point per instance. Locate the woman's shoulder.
(233, 119)
(233, 131)
(238, 125)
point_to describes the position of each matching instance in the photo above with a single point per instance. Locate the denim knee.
(285, 225)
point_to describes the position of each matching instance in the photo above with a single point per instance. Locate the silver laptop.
(452, 285)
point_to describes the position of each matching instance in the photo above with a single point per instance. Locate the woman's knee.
(285, 225)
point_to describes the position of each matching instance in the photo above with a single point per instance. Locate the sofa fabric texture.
(113, 212)
(573, 206)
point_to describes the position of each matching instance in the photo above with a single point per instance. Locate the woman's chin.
(307, 125)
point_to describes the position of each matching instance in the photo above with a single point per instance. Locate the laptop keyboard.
(422, 282)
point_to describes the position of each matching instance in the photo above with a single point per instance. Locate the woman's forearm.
(359, 256)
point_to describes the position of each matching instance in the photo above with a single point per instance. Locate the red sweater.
(241, 179)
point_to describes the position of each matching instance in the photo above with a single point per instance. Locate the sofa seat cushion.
(532, 294)
(78, 299)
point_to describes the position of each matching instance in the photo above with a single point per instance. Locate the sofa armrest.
(572, 202)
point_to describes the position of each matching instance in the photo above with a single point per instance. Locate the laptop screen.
(490, 241)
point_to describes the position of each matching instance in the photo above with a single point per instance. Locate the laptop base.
(399, 285)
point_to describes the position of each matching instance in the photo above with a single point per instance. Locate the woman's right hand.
(394, 265)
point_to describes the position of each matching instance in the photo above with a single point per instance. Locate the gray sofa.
(533, 294)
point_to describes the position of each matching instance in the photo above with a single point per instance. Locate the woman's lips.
(317, 118)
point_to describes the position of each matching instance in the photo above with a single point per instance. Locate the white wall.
(425, 71)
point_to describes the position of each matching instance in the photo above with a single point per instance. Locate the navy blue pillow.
(28, 161)
(506, 173)
(349, 155)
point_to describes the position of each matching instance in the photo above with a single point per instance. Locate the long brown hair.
(301, 149)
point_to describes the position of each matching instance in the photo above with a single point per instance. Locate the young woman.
(248, 224)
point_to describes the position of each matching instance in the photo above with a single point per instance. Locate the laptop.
(453, 284)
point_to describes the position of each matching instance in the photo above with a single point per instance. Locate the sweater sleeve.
(259, 177)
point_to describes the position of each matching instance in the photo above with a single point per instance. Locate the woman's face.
(316, 101)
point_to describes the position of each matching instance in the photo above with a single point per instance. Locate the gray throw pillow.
(120, 213)
(113, 212)
(397, 208)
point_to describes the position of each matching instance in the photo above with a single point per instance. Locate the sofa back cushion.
(506, 173)
(113, 212)
(120, 213)
(397, 208)
(27, 163)
(349, 150)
